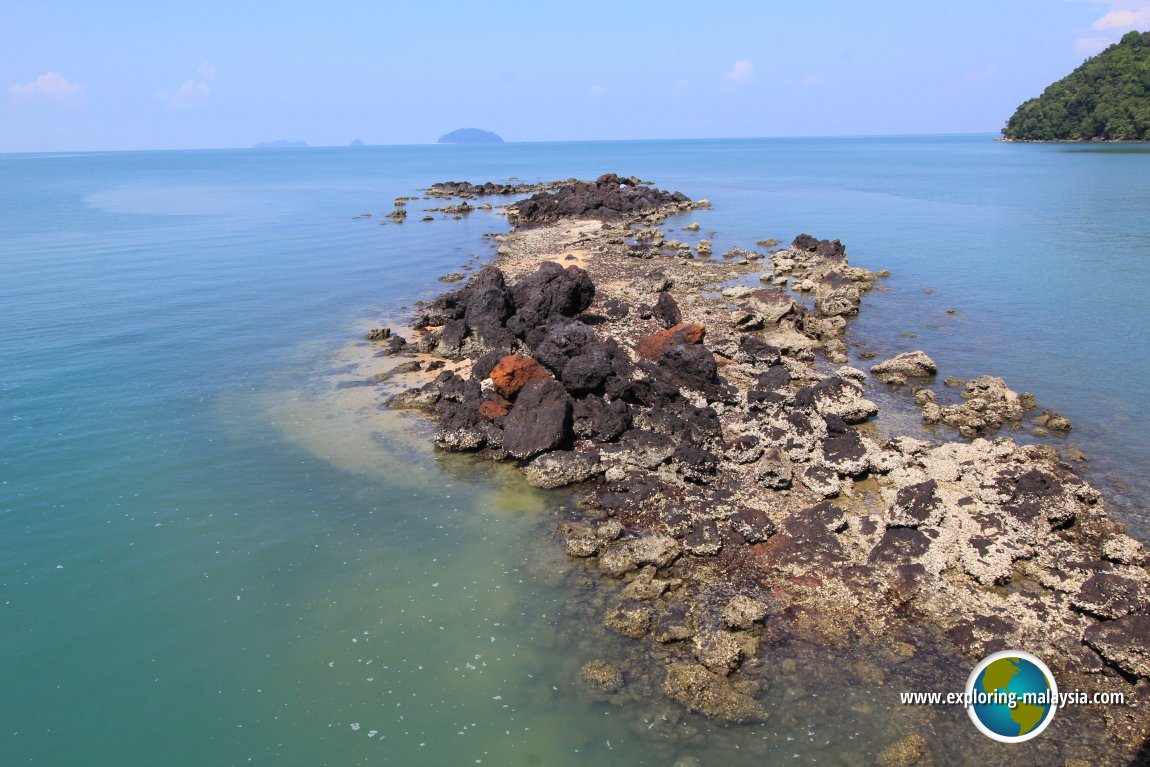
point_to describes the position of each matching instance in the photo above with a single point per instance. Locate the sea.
(217, 549)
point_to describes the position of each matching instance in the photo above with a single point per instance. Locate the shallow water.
(211, 554)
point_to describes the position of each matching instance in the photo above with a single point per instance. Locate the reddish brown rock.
(653, 346)
(513, 372)
(494, 408)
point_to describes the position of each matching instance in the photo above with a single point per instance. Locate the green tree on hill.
(1108, 97)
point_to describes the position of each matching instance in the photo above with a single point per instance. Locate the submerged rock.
(717, 650)
(906, 752)
(896, 370)
(631, 618)
(712, 694)
(742, 612)
(602, 676)
(561, 467)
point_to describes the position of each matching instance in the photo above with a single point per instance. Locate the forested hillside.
(1107, 98)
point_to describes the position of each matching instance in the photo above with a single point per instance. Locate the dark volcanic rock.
(899, 545)
(690, 366)
(451, 342)
(460, 428)
(755, 351)
(843, 448)
(753, 524)
(694, 464)
(775, 470)
(648, 449)
(588, 370)
(1109, 595)
(666, 311)
(915, 506)
(483, 366)
(843, 398)
(599, 420)
(472, 317)
(609, 197)
(550, 292)
(454, 388)
(560, 342)
(771, 388)
(823, 248)
(616, 309)
(487, 298)
(1122, 643)
(679, 419)
(704, 539)
(805, 540)
(540, 420)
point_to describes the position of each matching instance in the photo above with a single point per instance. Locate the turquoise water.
(210, 554)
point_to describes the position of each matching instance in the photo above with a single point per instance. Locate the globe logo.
(1012, 696)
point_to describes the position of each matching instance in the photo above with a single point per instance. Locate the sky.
(130, 74)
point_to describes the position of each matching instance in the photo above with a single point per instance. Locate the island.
(1105, 99)
(470, 136)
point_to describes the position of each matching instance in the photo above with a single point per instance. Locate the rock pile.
(729, 493)
(609, 197)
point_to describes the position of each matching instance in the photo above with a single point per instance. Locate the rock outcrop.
(728, 498)
(608, 197)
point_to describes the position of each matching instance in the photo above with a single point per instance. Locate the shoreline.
(1004, 140)
(775, 519)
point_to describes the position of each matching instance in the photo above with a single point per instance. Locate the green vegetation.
(1106, 98)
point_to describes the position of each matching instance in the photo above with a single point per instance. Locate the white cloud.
(1123, 19)
(193, 93)
(50, 86)
(739, 73)
(1121, 16)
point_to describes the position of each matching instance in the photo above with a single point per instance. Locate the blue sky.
(164, 75)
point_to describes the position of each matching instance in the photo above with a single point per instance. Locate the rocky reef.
(729, 485)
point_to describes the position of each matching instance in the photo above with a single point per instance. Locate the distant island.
(280, 144)
(1105, 99)
(470, 136)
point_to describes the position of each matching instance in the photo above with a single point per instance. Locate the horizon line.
(349, 145)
